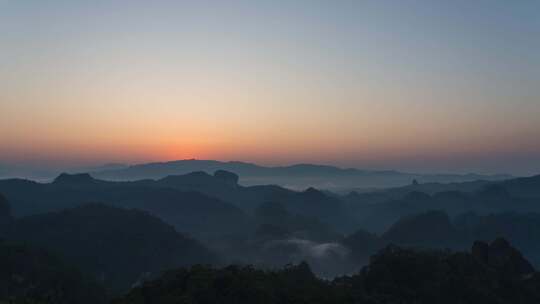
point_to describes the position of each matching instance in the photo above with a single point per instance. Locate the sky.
(426, 86)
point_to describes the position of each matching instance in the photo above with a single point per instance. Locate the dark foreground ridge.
(34, 276)
(492, 273)
(115, 246)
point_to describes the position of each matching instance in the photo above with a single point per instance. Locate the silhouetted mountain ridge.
(376, 211)
(186, 209)
(299, 176)
(74, 179)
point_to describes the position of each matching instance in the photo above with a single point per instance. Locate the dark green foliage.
(34, 276)
(5, 208)
(500, 255)
(117, 246)
(5, 216)
(363, 244)
(395, 275)
(206, 285)
(522, 230)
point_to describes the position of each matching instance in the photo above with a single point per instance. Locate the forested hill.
(490, 273)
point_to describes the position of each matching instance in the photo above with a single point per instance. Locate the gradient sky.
(422, 86)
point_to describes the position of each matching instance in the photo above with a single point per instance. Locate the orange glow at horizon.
(361, 84)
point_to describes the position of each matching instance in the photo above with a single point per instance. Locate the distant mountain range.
(123, 232)
(300, 176)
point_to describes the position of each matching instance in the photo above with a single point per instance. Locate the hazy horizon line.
(103, 166)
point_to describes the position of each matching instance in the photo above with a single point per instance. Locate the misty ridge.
(297, 177)
(156, 234)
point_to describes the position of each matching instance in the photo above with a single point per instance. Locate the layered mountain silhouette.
(188, 210)
(378, 210)
(197, 202)
(435, 229)
(298, 176)
(124, 233)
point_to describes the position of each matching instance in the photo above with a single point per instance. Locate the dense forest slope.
(491, 273)
(29, 275)
(116, 246)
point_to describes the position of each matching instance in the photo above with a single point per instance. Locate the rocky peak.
(503, 257)
(226, 176)
(74, 179)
